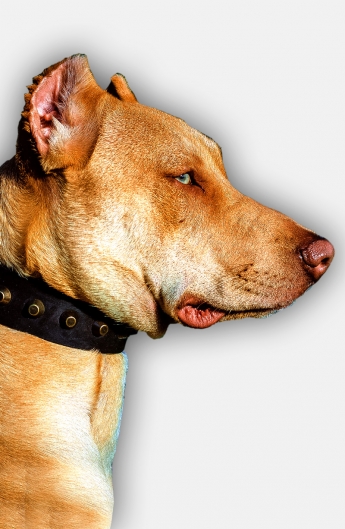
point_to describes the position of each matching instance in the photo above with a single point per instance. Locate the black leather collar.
(31, 306)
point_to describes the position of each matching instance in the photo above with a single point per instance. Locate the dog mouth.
(197, 314)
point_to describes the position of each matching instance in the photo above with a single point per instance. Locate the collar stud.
(35, 308)
(71, 322)
(68, 319)
(99, 328)
(5, 296)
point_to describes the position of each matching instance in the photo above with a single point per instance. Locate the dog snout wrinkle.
(318, 256)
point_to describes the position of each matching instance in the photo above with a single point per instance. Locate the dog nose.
(318, 256)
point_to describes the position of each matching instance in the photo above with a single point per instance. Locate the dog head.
(131, 210)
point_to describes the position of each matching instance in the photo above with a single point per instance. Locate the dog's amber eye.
(184, 178)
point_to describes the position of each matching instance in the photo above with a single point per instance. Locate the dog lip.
(198, 314)
(199, 318)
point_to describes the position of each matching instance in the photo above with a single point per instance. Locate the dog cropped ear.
(60, 113)
(119, 88)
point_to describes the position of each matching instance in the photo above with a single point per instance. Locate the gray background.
(241, 425)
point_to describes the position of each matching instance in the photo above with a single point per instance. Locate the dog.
(115, 218)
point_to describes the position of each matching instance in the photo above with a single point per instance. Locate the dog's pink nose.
(318, 256)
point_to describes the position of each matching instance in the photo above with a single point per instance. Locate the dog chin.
(161, 326)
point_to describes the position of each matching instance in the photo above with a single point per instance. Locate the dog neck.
(60, 406)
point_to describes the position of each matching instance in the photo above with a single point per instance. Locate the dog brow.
(213, 143)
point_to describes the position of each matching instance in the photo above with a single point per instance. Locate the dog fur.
(129, 209)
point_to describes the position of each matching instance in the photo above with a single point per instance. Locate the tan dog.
(130, 210)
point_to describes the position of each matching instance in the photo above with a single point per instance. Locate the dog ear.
(119, 88)
(60, 113)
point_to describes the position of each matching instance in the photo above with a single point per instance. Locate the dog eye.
(184, 178)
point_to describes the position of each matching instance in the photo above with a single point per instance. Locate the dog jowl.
(128, 209)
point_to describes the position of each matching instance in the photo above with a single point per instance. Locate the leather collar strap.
(31, 306)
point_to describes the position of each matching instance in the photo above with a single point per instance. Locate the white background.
(242, 425)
